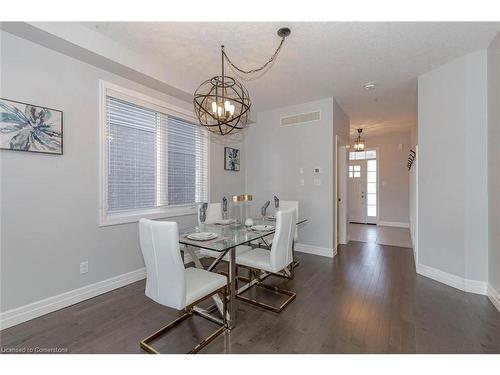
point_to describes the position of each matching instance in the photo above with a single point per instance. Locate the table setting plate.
(202, 236)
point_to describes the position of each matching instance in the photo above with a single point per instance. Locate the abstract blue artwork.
(27, 127)
(231, 159)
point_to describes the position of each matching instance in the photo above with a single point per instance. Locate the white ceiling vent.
(300, 119)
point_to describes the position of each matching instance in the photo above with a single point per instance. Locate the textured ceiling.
(370, 130)
(318, 59)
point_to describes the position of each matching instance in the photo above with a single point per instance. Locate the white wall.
(222, 182)
(274, 156)
(494, 164)
(393, 182)
(49, 212)
(452, 181)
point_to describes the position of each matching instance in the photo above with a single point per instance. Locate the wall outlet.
(301, 170)
(84, 267)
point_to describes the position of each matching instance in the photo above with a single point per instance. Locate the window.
(154, 158)
(363, 155)
(371, 185)
(355, 171)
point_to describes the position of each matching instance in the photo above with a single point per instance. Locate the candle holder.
(240, 209)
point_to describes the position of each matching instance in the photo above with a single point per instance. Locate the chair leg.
(295, 262)
(286, 275)
(291, 295)
(145, 343)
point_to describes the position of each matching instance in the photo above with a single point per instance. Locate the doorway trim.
(341, 192)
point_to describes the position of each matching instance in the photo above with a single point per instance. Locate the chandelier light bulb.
(214, 107)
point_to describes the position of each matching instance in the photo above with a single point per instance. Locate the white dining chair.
(170, 284)
(284, 206)
(291, 205)
(213, 214)
(275, 261)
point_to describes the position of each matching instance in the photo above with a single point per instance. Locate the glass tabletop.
(227, 235)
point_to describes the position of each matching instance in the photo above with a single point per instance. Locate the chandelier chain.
(251, 71)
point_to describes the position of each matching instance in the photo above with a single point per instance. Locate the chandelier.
(359, 144)
(221, 103)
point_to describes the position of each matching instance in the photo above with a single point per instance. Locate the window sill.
(134, 216)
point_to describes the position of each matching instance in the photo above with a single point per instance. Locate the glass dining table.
(228, 238)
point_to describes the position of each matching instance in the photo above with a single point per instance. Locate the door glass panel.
(371, 199)
(357, 174)
(372, 187)
(371, 165)
(357, 168)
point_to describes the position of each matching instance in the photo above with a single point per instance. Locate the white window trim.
(132, 216)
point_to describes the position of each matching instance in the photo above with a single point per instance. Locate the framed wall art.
(231, 159)
(31, 128)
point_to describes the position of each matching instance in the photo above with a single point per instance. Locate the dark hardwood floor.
(366, 300)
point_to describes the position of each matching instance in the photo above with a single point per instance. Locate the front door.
(363, 186)
(357, 191)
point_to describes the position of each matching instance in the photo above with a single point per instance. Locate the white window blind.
(154, 160)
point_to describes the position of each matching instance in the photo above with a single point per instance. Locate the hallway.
(380, 235)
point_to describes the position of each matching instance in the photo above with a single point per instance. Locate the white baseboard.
(315, 250)
(494, 297)
(466, 285)
(393, 224)
(34, 310)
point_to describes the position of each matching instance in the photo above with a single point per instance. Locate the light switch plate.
(301, 170)
(302, 182)
(317, 181)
